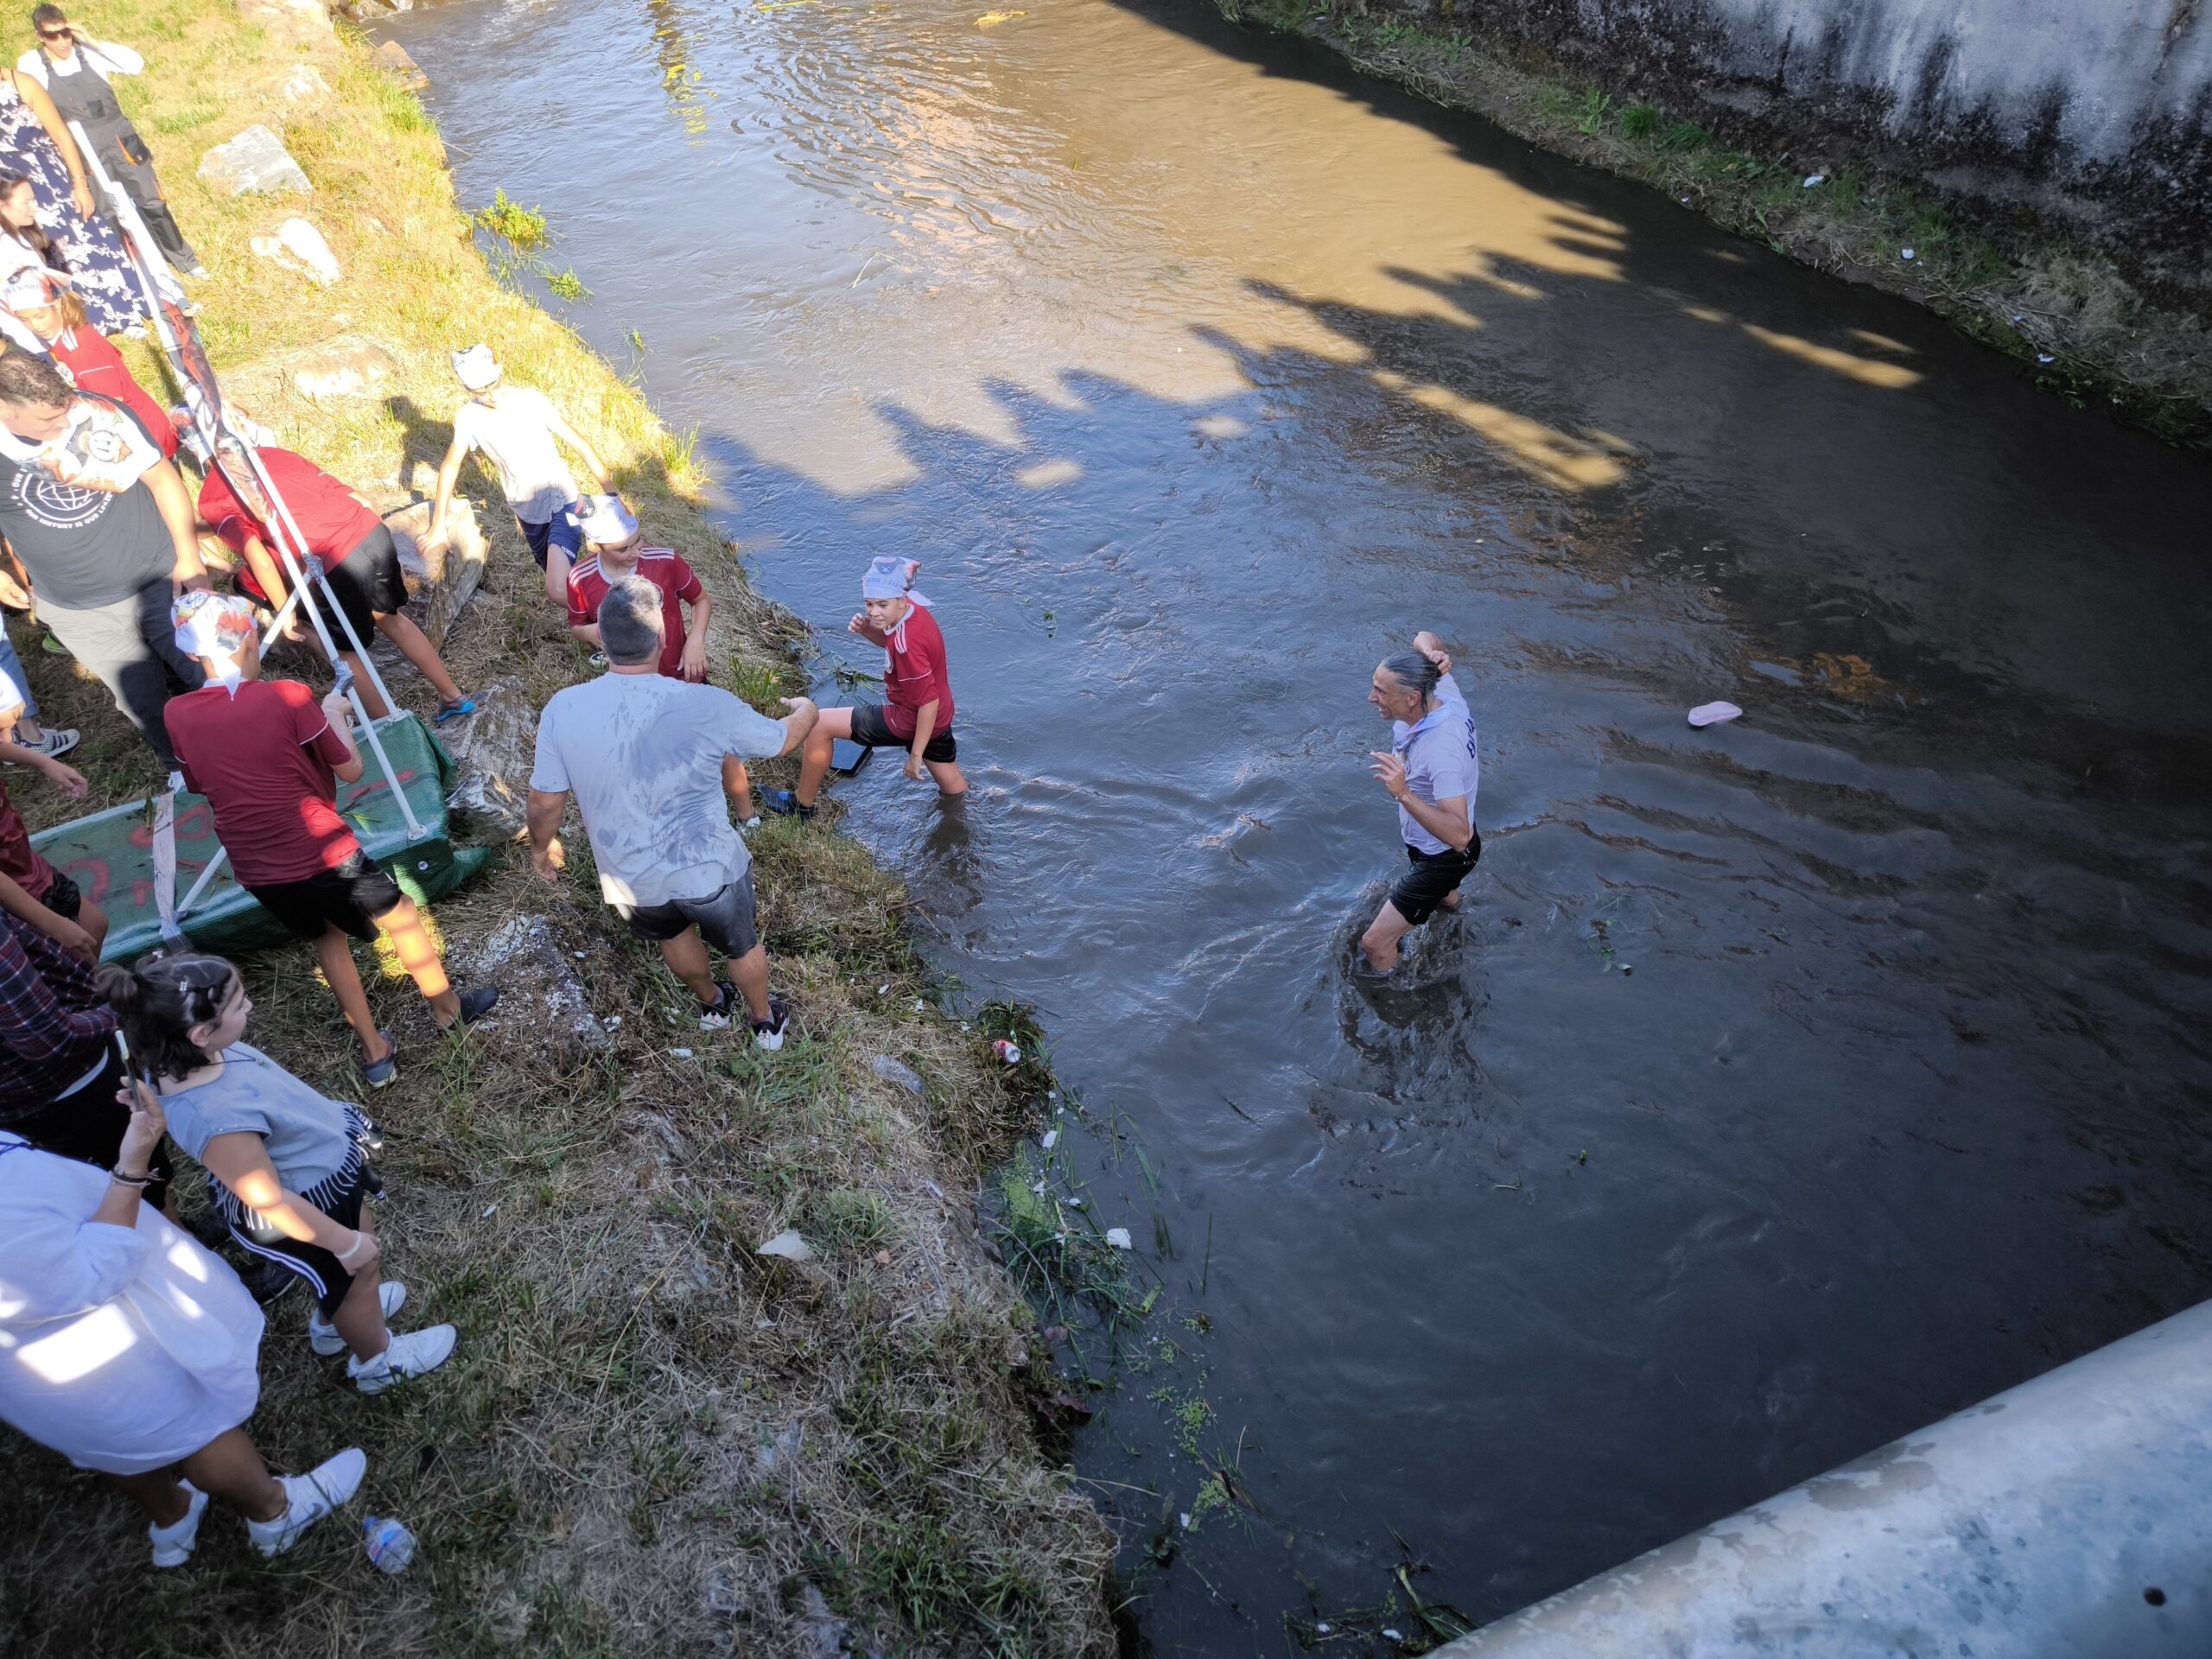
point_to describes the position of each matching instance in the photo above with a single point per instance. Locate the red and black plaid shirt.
(53, 1024)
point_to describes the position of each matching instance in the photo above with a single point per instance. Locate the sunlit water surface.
(1786, 1086)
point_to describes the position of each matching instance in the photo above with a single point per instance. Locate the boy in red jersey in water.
(916, 713)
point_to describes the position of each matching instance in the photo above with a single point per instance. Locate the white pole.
(145, 258)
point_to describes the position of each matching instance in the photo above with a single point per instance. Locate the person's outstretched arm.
(798, 722)
(543, 819)
(182, 519)
(449, 473)
(568, 434)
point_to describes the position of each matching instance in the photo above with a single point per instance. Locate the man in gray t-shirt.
(646, 758)
(105, 529)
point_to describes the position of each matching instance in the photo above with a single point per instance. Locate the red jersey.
(333, 523)
(95, 366)
(19, 860)
(667, 571)
(264, 759)
(914, 674)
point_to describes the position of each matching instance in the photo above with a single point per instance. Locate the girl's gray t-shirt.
(309, 1136)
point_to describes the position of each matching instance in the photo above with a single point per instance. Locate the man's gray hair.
(630, 622)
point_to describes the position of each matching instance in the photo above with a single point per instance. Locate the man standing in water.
(1431, 771)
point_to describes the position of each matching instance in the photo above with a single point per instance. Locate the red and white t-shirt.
(264, 759)
(667, 571)
(914, 674)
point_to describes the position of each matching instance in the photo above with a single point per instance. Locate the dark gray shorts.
(724, 919)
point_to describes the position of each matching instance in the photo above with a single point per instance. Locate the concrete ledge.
(2071, 1515)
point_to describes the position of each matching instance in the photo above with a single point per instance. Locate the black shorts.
(724, 919)
(1434, 877)
(369, 584)
(87, 1124)
(65, 899)
(325, 1274)
(561, 530)
(349, 898)
(872, 731)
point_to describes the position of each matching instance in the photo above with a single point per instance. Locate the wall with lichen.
(2097, 113)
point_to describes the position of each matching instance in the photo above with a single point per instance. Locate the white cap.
(605, 521)
(476, 367)
(27, 290)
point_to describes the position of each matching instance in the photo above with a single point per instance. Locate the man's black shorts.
(1434, 877)
(369, 584)
(871, 731)
(64, 898)
(724, 919)
(349, 898)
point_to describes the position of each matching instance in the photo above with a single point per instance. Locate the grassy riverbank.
(2067, 314)
(652, 1439)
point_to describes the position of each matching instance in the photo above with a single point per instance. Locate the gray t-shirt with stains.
(643, 754)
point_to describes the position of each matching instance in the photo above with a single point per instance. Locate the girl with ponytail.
(288, 1169)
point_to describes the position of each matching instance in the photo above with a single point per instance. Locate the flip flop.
(460, 710)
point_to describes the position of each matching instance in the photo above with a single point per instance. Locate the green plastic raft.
(111, 855)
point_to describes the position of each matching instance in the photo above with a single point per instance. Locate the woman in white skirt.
(129, 1349)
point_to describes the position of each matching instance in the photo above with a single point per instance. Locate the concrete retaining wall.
(2097, 113)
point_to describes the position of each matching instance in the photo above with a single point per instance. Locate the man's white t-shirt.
(1439, 750)
(516, 436)
(643, 754)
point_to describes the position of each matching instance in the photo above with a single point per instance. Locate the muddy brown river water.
(1786, 1085)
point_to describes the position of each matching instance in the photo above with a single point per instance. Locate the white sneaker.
(173, 1545)
(54, 741)
(309, 1498)
(409, 1356)
(391, 1296)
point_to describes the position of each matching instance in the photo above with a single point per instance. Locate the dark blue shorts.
(561, 531)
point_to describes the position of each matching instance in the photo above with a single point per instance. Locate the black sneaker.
(475, 1004)
(783, 803)
(769, 1032)
(717, 1017)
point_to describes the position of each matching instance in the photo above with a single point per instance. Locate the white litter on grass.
(883, 990)
(579, 956)
(1036, 1187)
(1049, 1139)
(2045, 357)
(1075, 1203)
(1392, 1636)
(1904, 253)
(764, 1325)
(611, 1020)
(789, 1245)
(1712, 714)
(489, 1208)
(681, 1053)
(1119, 1238)
(1185, 1520)
(1322, 1629)
(1811, 179)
